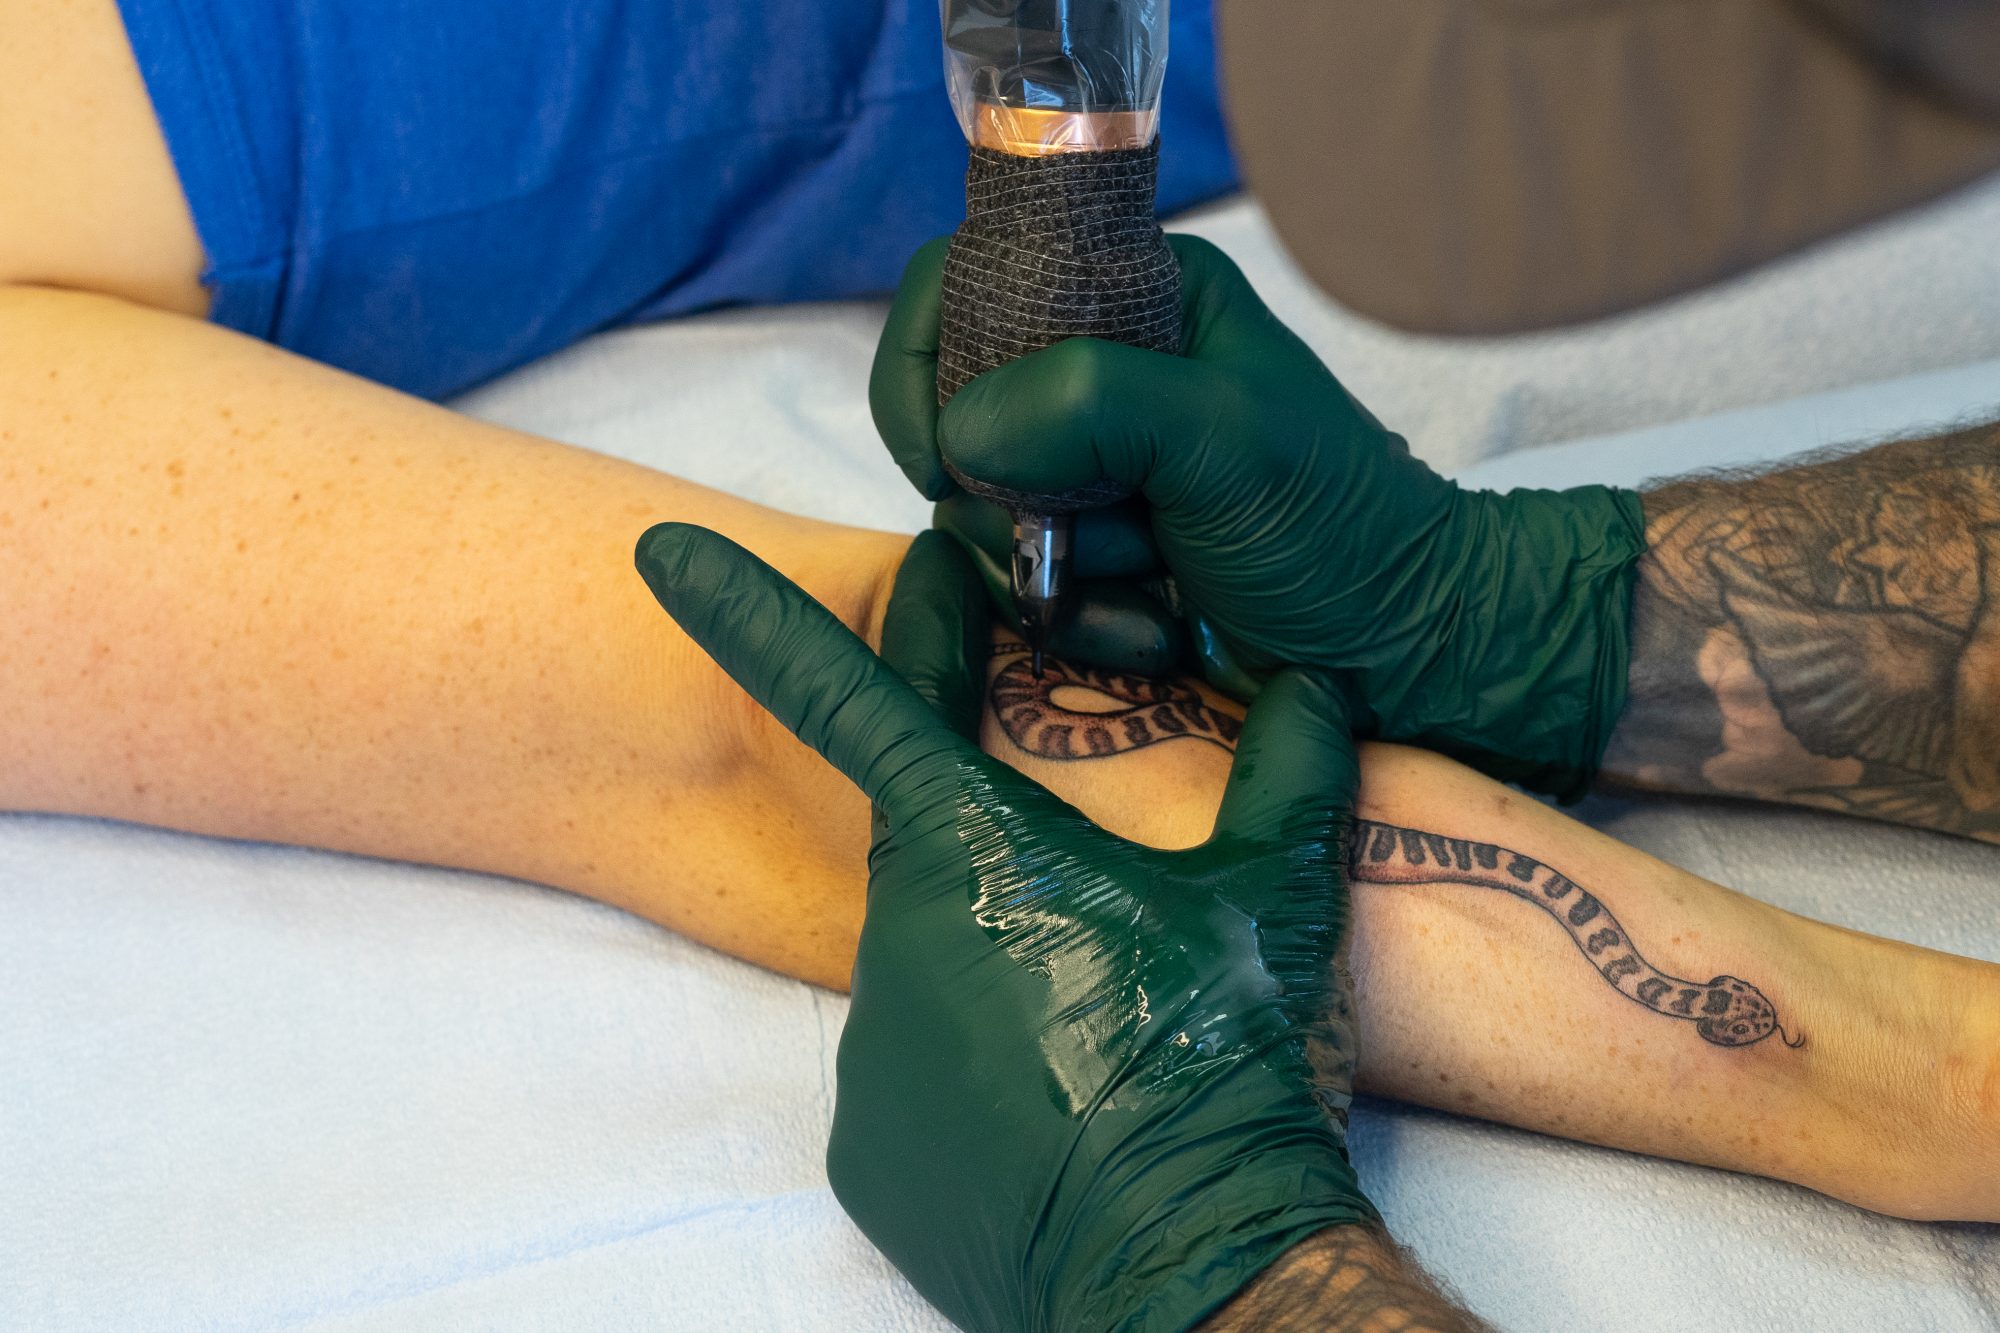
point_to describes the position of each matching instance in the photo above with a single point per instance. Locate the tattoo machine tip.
(1041, 576)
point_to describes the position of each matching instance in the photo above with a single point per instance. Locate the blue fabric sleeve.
(431, 194)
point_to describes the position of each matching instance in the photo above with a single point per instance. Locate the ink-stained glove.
(1297, 529)
(1084, 1083)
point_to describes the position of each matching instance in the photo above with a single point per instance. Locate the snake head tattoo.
(1747, 1016)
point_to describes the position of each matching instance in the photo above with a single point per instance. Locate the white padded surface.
(252, 1087)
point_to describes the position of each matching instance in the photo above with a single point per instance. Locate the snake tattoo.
(1725, 1011)
(1154, 710)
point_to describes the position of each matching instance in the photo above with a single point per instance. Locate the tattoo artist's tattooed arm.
(1827, 635)
(1345, 1279)
(1511, 963)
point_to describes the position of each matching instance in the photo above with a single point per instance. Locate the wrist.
(1159, 1238)
(1342, 1278)
(1901, 1087)
(1935, 1141)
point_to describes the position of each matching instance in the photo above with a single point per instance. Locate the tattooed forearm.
(1827, 635)
(1725, 1011)
(1352, 1279)
(1126, 713)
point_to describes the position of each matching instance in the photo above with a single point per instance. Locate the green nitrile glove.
(1298, 530)
(1084, 1083)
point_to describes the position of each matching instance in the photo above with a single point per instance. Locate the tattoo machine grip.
(1062, 245)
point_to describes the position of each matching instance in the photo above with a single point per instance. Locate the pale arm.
(256, 598)
(253, 597)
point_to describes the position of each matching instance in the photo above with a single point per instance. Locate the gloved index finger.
(1296, 772)
(902, 383)
(1085, 411)
(796, 659)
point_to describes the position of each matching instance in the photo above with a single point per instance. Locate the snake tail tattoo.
(1725, 1011)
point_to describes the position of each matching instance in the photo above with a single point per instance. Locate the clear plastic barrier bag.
(1035, 77)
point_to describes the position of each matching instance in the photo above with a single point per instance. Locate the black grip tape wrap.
(1055, 247)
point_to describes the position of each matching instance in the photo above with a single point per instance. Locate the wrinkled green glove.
(1085, 1084)
(1297, 529)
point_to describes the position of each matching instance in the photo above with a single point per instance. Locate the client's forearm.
(250, 596)
(1514, 964)
(1827, 634)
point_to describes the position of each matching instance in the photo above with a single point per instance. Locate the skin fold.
(253, 597)
(92, 201)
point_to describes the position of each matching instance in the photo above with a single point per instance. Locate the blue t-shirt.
(431, 192)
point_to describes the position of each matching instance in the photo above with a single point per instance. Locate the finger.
(1225, 323)
(1085, 412)
(902, 385)
(1218, 303)
(1220, 664)
(1115, 542)
(1296, 772)
(937, 632)
(796, 659)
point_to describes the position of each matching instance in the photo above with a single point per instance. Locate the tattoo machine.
(1060, 101)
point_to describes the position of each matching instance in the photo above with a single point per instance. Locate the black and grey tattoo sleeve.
(1828, 635)
(1348, 1278)
(1071, 713)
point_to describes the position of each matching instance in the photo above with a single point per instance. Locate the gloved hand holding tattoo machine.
(1297, 529)
(1059, 100)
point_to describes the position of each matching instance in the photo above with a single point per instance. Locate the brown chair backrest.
(1492, 166)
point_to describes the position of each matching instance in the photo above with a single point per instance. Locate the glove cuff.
(1530, 676)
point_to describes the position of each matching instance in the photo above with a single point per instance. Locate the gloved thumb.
(1296, 772)
(1087, 414)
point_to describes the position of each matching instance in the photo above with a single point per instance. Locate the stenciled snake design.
(1725, 1011)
